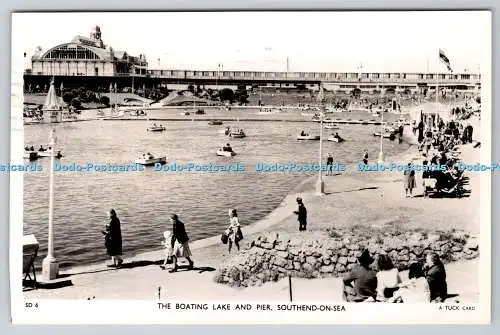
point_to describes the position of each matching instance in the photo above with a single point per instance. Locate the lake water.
(145, 200)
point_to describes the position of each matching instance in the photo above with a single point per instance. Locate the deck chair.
(30, 252)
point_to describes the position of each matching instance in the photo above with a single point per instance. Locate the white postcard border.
(141, 312)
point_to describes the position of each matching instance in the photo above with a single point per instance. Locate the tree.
(104, 100)
(356, 92)
(67, 97)
(226, 94)
(191, 88)
(478, 99)
(243, 99)
(76, 103)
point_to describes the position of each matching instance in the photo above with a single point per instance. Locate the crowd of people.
(438, 145)
(382, 283)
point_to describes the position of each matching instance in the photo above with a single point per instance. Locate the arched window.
(70, 51)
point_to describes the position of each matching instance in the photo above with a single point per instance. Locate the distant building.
(86, 56)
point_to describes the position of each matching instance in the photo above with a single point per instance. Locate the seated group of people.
(440, 146)
(147, 156)
(426, 282)
(227, 147)
(303, 133)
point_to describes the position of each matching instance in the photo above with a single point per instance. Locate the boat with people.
(215, 123)
(304, 136)
(150, 159)
(156, 128)
(387, 134)
(200, 111)
(333, 126)
(57, 154)
(31, 153)
(225, 131)
(237, 133)
(335, 138)
(185, 113)
(226, 151)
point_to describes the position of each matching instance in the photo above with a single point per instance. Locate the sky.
(262, 41)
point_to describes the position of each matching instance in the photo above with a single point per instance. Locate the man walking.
(329, 164)
(301, 215)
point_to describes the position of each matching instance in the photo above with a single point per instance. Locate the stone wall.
(272, 257)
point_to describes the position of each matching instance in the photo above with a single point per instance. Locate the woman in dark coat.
(436, 277)
(180, 244)
(113, 239)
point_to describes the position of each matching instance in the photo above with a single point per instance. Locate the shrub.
(104, 100)
(76, 103)
(67, 97)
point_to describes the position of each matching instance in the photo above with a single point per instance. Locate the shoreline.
(282, 211)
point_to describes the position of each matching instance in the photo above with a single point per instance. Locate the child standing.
(167, 244)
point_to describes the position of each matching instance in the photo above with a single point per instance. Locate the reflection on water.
(145, 200)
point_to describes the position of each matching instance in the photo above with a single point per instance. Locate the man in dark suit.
(301, 215)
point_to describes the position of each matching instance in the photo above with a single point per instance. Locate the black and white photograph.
(251, 167)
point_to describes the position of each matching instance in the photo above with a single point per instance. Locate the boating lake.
(145, 200)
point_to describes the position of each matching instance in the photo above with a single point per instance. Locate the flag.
(445, 60)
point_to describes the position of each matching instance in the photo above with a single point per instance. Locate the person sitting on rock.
(364, 280)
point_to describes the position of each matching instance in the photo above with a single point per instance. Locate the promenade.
(369, 199)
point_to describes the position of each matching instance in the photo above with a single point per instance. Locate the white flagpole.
(320, 185)
(437, 90)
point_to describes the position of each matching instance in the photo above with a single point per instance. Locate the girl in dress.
(388, 279)
(234, 230)
(416, 288)
(167, 244)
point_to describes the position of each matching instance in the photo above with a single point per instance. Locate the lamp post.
(320, 184)
(133, 75)
(50, 267)
(381, 153)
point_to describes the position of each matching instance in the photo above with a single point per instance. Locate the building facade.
(86, 56)
(88, 62)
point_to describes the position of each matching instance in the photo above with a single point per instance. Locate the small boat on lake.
(49, 153)
(333, 126)
(238, 133)
(335, 138)
(200, 112)
(304, 136)
(215, 123)
(226, 151)
(150, 159)
(389, 135)
(155, 127)
(185, 113)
